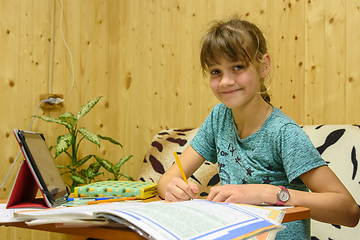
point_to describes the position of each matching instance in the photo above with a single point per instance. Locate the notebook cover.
(23, 193)
(140, 190)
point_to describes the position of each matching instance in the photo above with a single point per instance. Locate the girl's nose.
(227, 80)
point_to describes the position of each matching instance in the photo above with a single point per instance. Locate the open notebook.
(38, 171)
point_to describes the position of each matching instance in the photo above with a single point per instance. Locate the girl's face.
(234, 84)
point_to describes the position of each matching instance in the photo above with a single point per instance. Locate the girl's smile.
(232, 91)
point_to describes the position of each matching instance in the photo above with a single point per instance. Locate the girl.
(262, 154)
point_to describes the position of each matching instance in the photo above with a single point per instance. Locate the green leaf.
(127, 176)
(82, 173)
(51, 148)
(68, 118)
(78, 179)
(62, 167)
(110, 140)
(105, 164)
(121, 162)
(86, 108)
(54, 120)
(63, 143)
(91, 175)
(95, 166)
(66, 172)
(83, 160)
(97, 174)
(90, 136)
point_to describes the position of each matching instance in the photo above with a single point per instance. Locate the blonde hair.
(234, 40)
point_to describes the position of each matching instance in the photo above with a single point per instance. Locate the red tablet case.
(23, 194)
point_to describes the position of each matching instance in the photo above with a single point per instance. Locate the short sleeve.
(297, 152)
(204, 141)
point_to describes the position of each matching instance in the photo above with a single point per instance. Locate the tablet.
(42, 166)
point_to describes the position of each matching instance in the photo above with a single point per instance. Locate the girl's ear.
(265, 70)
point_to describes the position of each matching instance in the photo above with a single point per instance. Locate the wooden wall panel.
(352, 73)
(294, 71)
(335, 64)
(143, 57)
(275, 34)
(314, 94)
(9, 72)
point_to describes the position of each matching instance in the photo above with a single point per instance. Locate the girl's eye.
(214, 72)
(238, 68)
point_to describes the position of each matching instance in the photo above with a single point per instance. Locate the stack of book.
(195, 219)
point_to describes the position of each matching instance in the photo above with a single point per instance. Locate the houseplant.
(70, 142)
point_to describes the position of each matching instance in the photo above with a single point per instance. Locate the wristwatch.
(283, 196)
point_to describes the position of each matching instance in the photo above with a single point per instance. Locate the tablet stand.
(23, 194)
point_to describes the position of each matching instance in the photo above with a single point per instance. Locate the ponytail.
(264, 94)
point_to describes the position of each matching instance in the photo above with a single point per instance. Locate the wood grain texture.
(143, 57)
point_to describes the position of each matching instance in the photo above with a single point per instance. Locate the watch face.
(284, 195)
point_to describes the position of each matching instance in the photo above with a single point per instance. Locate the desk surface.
(292, 214)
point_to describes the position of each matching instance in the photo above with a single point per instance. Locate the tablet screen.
(44, 165)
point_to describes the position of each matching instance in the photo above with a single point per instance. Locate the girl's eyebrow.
(242, 61)
(212, 68)
(239, 62)
(214, 65)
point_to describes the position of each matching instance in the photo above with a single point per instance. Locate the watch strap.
(281, 202)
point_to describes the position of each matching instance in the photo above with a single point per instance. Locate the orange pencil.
(180, 167)
(111, 200)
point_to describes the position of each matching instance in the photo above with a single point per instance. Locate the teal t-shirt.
(276, 155)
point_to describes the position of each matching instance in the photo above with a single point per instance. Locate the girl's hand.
(254, 194)
(178, 190)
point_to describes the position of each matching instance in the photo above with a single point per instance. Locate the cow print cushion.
(338, 145)
(160, 158)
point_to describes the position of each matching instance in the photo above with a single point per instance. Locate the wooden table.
(292, 214)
